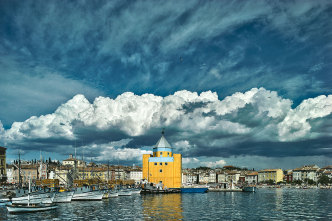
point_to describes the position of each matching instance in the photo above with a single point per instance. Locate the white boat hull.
(113, 194)
(93, 195)
(136, 191)
(34, 198)
(124, 193)
(25, 209)
(63, 197)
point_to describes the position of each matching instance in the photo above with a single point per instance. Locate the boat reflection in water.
(162, 206)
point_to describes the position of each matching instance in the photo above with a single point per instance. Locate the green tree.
(299, 182)
(309, 181)
(269, 182)
(324, 180)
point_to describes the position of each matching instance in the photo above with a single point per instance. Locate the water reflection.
(279, 199)
(162, 207)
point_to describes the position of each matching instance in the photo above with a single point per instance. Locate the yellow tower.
(163, 166)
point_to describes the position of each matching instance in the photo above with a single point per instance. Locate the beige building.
(65, 175)
(252, 178)
(275, 175)
(3, 176)
(306, 172)
(71, 162)
(136, 175)
(26, 172)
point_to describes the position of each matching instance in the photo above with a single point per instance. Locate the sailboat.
(30, 207)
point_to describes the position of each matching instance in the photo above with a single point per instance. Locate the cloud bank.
(257, 123)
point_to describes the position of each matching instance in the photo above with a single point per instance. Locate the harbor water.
(265, 204)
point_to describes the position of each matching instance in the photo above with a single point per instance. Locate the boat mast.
(29, 190)
(19, 170)
(83, 165)
(108, 171)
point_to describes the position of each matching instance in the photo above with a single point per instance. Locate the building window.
(166, 164)
(167, 153)
(161, 153)
(160, 164)
(155, 164)
(160, 171)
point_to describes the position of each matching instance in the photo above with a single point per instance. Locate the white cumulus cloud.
(202, 122)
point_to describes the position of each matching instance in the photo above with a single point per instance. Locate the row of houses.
(66, 173)
(228, 174)
(73, 168)
(250, 177)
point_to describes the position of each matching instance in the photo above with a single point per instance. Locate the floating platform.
(249, 189)
(156, 191)
(225, 190)
(194, 190)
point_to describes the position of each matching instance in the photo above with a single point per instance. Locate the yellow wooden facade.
(163, 166)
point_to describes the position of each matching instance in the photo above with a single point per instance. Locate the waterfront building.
(120, 174)
(26, 172)
(203, 178)
(98, 173)
(10, 173)
(192, 178)
(327, 171)
(42, 171)
(275, 175)
(288, 176)
(252, 178)
(3, 176)
(65, 175)
(221, 177)
(212, 177)
(327, 168)
(163, 166)
(307, 172)
(233, 176)
(136, 175)
(184, 179)
(242, 178)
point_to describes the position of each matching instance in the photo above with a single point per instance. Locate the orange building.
(163, 166)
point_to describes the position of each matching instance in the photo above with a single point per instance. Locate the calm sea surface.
(265, 204)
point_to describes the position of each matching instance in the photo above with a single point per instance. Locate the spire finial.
(163, 131)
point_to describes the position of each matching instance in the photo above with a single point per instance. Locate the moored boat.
(113, 194)
(34, 198)
(30, 208)
(63, 197)
(135, 191)
(87, 193)
(249, 189)
(125, 192)
(194, 190)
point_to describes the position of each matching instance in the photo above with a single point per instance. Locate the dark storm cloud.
(247, 147)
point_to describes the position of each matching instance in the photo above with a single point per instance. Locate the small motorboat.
(20, 208)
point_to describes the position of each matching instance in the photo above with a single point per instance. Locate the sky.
(244, 83)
